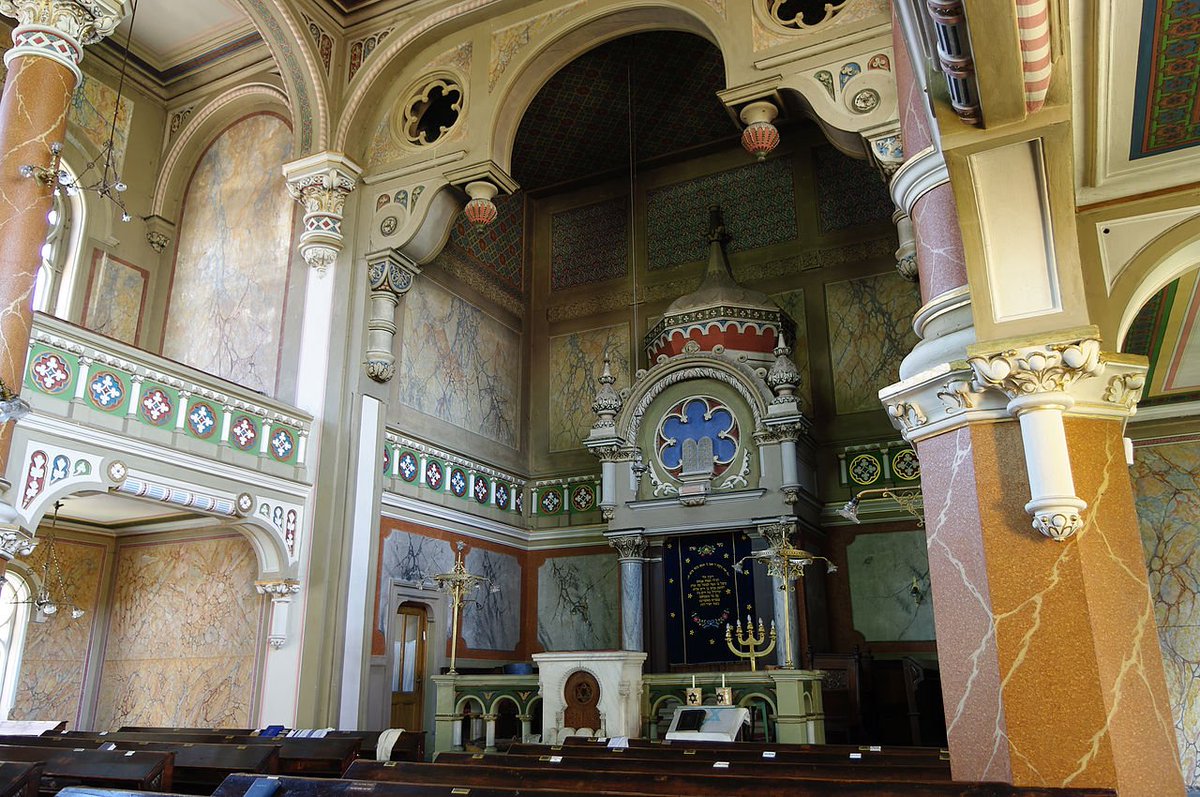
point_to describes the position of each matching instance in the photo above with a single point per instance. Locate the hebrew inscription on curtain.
(704, 594)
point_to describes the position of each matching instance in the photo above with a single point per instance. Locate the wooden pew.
(651, 784)
(409, 747)
(155, 729)
(20, 779)
(732, 752)
(199, 767)
(849, 770)
(116, 768)
(326, 758)
(894, 750)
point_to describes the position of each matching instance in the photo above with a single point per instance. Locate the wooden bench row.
(742, 753)
(241, 786)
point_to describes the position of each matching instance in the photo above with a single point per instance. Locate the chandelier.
(53, 594)
(99, 175)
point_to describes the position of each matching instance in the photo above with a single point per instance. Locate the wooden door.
(408, 667)
(582, 696)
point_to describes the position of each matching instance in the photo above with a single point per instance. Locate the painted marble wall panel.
(882, 570)
(578, 603)
(50, 686)
(576, 362)
(792, 303)
(182, 636)
(91, 116)
(460, 364)
(870, 332)
(412, 559)
(1167, 490)
(115, 298)
(231, 269)
(493, 621)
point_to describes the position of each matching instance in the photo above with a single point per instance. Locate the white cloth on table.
(618, 741)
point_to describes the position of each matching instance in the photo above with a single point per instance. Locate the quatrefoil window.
(431, 111)
(696, 419)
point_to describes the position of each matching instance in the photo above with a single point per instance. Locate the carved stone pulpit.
(579, 688)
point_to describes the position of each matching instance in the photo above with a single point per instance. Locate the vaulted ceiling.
(661, 86)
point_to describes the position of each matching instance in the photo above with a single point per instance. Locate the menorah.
(749, 641)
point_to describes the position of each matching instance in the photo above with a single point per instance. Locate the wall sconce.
(12, 406)
(481, 210)
(760, 136)
(910, 500)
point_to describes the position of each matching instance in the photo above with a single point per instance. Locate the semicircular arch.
(202, 129)
(1167, 257)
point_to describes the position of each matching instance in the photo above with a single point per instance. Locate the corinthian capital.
(321, 183)
(84, 21)
(629, 546)
(1035, 369)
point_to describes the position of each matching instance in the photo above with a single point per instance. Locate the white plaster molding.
(921, 173)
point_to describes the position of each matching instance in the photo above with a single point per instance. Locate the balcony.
(96, 382)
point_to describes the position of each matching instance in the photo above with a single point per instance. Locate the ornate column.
(389, 276)
(321, 183)
(631, 549)
(43, 71)
(280, 591)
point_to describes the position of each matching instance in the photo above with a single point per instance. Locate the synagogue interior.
(514, 383)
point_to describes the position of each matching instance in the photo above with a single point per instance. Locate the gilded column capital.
(59, 29)
(630, 547)
(321, 183)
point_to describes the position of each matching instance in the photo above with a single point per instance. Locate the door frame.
(436, 637)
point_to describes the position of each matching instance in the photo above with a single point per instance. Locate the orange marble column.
(1051, 670)
(43, 71)
(33, 115)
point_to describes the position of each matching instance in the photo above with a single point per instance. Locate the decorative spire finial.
(608, 401)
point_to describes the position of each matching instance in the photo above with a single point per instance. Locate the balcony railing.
(92, 380)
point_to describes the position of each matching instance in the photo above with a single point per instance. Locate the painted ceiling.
(1166, 112)
(1165, 331)
(579, 123)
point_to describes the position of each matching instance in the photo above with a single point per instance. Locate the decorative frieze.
(432, 470)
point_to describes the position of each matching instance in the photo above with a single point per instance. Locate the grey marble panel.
(882, 568)
(579, 603)
(411, 559)
(493, 620)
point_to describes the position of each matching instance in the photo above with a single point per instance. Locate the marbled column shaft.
(631, 604)
(912, 106)
(33, 115)
(941, 261)
(1050, 667)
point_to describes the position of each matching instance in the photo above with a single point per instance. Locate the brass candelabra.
(458, 583)
(787, 564)
(748, 643)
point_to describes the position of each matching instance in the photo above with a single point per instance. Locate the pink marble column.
(941, 262)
